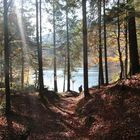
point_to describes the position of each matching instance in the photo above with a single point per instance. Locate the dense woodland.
(36, 35)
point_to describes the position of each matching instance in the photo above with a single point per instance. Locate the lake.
(76, 78)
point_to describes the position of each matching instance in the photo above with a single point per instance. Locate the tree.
(85, 48)
(68, 48)
(54, 43)
(133, 46)
(6, 56)
(105, 42)
(22, 71)
(118, 41)
(19, 41)
(126, 40)
(39, 49)
(101, 75)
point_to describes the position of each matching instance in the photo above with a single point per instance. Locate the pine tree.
(68, 47)
(85, 49)
(101, 74)
(6, 56)
(133, 45)
(39, 49)
(54, 43)
(105, 43)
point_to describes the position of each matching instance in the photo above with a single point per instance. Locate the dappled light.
(69, 70)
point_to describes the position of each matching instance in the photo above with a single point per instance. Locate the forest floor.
(112, 113)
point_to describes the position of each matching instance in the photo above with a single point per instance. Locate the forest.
(69, 69)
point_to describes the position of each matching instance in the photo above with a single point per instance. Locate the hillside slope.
(113, 112)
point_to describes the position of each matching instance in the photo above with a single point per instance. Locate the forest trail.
(55, 121)
(113, 112)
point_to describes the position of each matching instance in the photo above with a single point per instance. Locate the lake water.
(76, 80)
(77, 77)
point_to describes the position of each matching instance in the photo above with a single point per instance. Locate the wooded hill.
(101, 32)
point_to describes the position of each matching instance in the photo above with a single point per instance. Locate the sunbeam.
(19, 13)
(25, 53)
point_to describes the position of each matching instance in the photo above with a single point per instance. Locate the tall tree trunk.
(85, 50)
(6, 55)
(105, 44)
(39, 47)
(54, 43)
(10, 68)
(1, 66)
(118, 42)
(64, 75)
(126, 43)
(101, 74)
(133, 46)
(22, 70)
(126, 51)
(68, 49)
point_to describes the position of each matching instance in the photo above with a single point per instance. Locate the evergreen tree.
(101, 74)
(68, 47)
(6, 55)
(85, 49)
(105, 42)
(54, 43)
(39, 49)
(133, 45)
(118, 41)
(22, 71)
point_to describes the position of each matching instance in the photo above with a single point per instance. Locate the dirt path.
(51, 122)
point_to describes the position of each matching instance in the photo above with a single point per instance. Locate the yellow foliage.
(113, 59)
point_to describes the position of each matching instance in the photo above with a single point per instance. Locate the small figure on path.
(80, 89)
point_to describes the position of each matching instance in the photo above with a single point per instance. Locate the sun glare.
(22, 32)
